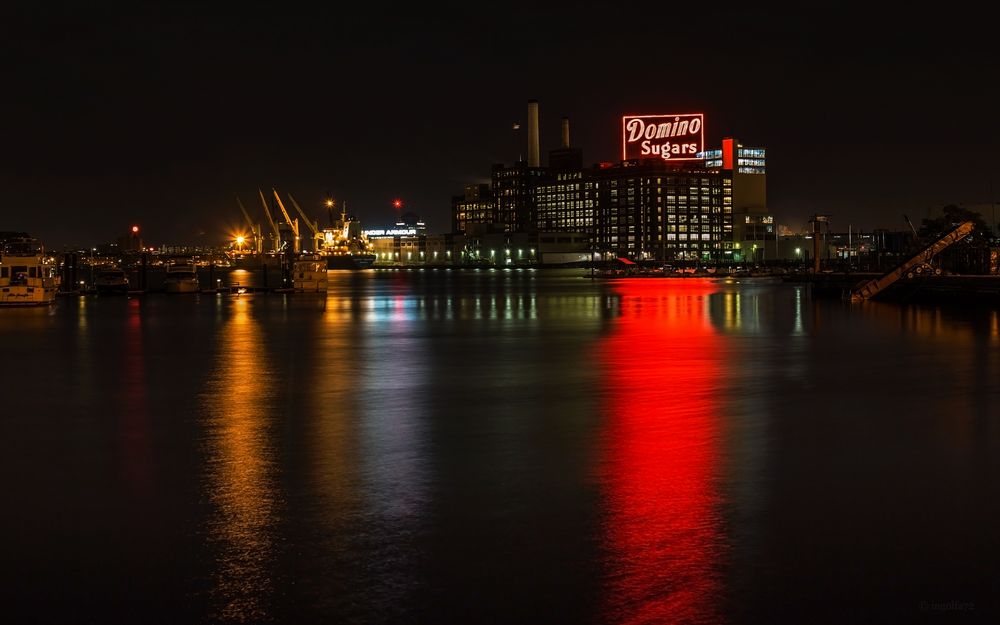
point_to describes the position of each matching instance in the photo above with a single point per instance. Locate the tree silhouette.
(952, 215)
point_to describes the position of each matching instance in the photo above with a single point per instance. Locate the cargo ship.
(345, 246)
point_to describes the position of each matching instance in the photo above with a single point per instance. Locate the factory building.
(667, 199)
(475, 207)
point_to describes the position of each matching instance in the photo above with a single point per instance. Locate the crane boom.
(254, 228)
(274, 226)
(318, 236)
(243, 210)
(313, 227)
(294, 223)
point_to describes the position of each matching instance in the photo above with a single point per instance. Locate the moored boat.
(181, 278)
(111, 282)
(27, 276)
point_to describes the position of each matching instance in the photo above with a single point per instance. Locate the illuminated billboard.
(670, 137)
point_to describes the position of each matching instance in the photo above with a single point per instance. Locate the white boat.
(27, 276)
(309, 274)
(111, 282)
(181, 278)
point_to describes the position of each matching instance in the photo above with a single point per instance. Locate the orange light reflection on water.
(240, 471)
(662, 530)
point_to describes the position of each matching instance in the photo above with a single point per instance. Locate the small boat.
(111, 282)
(27, 276)
(181, 278)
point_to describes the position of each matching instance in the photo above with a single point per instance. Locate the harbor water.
(500, 447)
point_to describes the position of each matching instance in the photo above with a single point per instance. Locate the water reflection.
(662, 527)
(957, 344)
(392, 424)
(134, 435)
(240, 478)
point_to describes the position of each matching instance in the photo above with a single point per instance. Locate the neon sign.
(390, 232)
(670, 137)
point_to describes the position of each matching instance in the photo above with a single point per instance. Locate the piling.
(69, 274)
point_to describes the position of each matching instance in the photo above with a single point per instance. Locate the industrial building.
(668, 200)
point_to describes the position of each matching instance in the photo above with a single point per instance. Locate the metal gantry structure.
(279, 242)
(918, 263)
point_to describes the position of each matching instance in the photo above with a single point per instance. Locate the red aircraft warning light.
(135, 229)
(397, 203)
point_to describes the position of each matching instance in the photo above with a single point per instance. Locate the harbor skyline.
(597, 313)
(161, 115)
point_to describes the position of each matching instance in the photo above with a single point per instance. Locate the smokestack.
(533, 150)
(565, 132)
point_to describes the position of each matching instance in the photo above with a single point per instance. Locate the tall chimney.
(533, 150)
(565, 132)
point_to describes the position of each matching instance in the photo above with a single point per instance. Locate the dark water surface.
(505, 447)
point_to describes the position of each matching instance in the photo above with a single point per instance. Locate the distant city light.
(135, 229)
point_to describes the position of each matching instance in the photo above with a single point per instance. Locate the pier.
(926, 288)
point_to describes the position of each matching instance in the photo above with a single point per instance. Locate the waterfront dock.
(932, 288)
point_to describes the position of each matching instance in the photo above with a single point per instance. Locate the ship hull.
(27, 296)
(111, 289)
(350, 261)
(180, 286)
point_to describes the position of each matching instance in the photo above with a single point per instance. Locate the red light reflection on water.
(661, 530)
(134, 434)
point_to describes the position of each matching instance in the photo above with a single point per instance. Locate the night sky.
(161, 114)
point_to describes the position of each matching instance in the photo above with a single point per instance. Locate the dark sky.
(161, 114)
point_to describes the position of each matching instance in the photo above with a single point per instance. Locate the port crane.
(274, 227)
(258, 239)
(916, 264)
(294, 223)
(313, 226)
